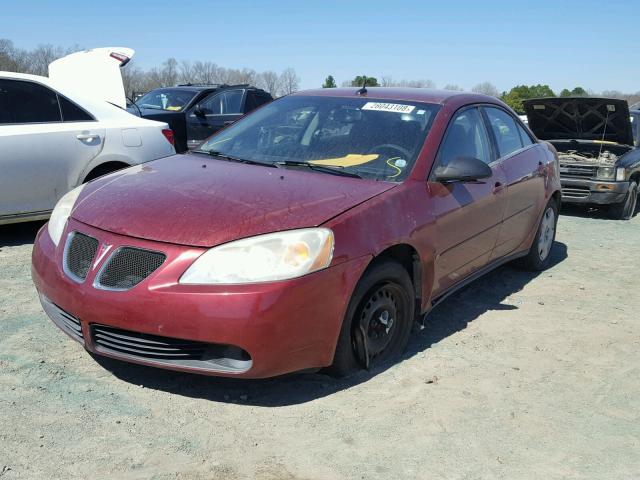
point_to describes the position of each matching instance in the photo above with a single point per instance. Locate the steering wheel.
(404, 153)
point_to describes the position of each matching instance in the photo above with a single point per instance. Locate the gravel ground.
(518, 377)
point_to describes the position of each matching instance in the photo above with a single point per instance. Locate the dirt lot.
(518, 376)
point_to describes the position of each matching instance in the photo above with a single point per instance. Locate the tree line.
(513, 97)
(138, 80)
(172, 72)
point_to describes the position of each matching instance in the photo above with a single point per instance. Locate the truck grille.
(78, 255)
(577, 171)
(127, 267)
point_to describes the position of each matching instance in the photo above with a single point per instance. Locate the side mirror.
(463, 169)
(198, 112)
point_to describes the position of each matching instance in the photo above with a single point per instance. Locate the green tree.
(359, 81)
(517, 94)
(576, 92)
(329, 82)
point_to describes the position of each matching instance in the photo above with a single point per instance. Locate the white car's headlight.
(61, 213)
(264, 258)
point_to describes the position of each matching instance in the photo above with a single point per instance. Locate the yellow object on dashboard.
(349, 160)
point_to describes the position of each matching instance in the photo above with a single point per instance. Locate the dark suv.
(194, 111)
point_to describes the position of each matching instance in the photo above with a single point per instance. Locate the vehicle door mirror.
(199, 112)
(463, 169)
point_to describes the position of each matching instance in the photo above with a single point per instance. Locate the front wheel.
(539, 256)
(625, 209)
(378, 321)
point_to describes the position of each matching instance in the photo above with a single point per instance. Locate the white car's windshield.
(365, 137)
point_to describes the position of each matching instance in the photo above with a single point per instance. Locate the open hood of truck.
(94, 73)
(580, 118)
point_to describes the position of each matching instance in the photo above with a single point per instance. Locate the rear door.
(214, 112)
(468, 215)
(46, 141)
(522, 160)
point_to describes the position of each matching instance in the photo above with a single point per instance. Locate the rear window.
(73, 113)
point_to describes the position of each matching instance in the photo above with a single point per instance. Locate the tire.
(625, 209)
(539, 256)
(384, 287)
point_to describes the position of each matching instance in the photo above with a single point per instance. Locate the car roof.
(424, 95)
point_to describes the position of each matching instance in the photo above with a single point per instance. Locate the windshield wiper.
(229, 158)
(336, 170)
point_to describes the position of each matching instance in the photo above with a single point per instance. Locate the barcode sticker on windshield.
(388, 107)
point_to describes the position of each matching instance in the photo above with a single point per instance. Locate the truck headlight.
(606, 173)
(263, 258)
(61, 213)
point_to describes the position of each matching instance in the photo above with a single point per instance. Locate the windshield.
(171, 99)
(377, 139)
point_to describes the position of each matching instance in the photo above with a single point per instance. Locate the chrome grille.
(175, 352)
(78, 255)
(144, 345)
(66, 321)
(579, 171)
(127, 267)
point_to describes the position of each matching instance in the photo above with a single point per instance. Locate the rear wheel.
(378, 321)
(539, 256)
(625, 209)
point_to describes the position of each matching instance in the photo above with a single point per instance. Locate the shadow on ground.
(19, 233)
(451, 316)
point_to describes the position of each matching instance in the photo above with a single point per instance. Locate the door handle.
(87, 136)
(228, 122)
(497, 187)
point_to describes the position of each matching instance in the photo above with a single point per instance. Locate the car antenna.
(363, 90)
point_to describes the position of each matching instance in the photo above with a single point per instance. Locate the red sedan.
(309, 234)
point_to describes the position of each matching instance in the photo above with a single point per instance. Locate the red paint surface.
(455, 229)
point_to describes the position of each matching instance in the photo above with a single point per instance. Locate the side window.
(232, 101)
(6, 111)
(466, 137)
(223, 103)
(505, 130)
(30, 102)
(73, 113)
(524, 136)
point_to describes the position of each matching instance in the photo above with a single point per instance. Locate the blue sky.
(562, 43)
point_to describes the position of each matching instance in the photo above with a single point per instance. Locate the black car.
(195, 112)
(597, 144)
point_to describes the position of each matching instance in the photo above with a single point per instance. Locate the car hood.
(199, 201)
(580, 118)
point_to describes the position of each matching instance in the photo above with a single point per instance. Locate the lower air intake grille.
(147, 346)
(128, 266)
(172, 352)
(79, 254)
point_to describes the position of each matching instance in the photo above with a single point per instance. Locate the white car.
(53, 138)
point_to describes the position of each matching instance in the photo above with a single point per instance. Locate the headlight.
(621, 174)
(61, 213)
(264, 258)
(606, 173)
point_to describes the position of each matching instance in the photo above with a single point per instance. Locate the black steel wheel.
(378, 322)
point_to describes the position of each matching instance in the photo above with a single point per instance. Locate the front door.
(468, 215)
(213, 113)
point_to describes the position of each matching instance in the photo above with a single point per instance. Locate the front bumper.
(599, 192)
(281, 327)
